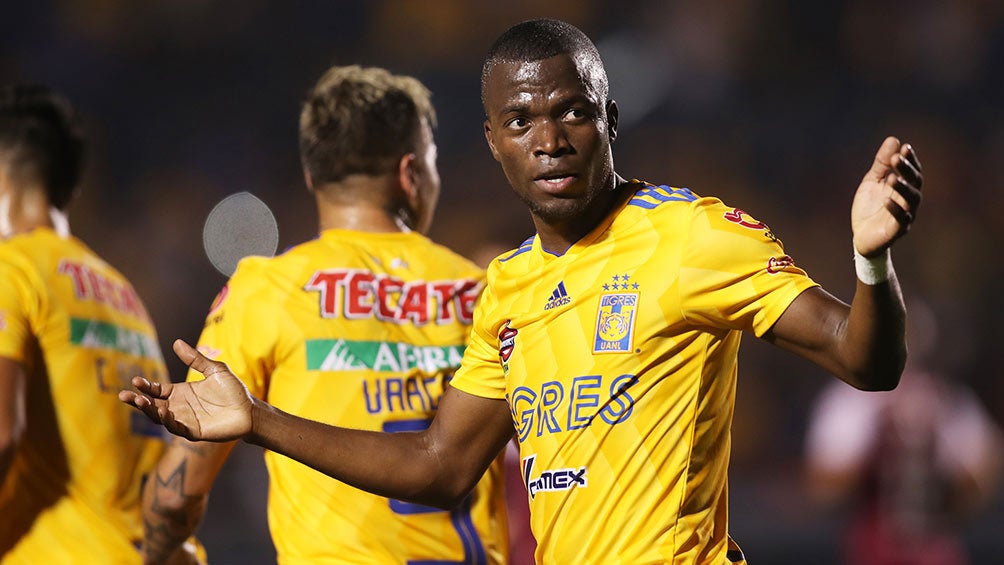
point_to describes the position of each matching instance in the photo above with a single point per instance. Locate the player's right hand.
(887, 200)
(215, 409)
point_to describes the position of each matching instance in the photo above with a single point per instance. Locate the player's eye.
(574, 115)
(518, 122)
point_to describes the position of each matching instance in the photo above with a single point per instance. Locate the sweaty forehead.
(521, 81)
(526, 70)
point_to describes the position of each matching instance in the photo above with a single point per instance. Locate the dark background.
(775, 106)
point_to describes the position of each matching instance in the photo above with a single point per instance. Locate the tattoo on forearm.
(167, 528)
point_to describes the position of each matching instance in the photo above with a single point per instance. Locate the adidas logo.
(558, 298)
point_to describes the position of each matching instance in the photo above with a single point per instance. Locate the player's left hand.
(887, 199)
(215, 409)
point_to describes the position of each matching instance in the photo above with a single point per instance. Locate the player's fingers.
(143, 403)
(909, 195)
(195, 359)
(188, 354)
(911, 155)
(151, 388)
(883, 159)
(899, 204)
(157, 390)
(141, 384)
(903, 218)
(131, 398)
(904, 168)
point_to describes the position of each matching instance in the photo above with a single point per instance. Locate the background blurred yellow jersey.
(361, 330)
(72, 494)
(618, 360)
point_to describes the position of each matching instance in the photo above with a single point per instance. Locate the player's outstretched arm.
(437, 466)
(863, 343)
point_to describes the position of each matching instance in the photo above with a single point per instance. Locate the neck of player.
(25, 209)
(362, 203)
(558, 235)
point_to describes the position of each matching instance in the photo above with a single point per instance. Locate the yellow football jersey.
(72, 494)
(360, 330)
(618, 360)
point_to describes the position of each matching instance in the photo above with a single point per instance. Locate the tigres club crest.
(615, 322)
(507, 342)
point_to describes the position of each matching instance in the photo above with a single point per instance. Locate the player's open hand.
(215, 409)
(887, 199)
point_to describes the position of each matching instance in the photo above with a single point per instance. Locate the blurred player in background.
(910, 465)
(608, 341)
(72, 330)
(361, 327)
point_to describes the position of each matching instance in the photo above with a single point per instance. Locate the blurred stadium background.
(776, 106)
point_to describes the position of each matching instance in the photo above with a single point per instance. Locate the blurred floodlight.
(239, 226)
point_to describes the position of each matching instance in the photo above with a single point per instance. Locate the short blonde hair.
(361, 120)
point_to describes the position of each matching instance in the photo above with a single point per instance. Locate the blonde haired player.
(361, 327)
(624, 431)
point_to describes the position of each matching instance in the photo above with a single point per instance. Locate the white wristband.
(874, 270)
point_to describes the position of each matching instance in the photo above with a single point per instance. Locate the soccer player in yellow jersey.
(72, 331)
(361, 327)
(608, 341)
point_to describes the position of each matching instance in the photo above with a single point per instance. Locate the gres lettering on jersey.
(618, 361)
(360, 330)
(81, 332)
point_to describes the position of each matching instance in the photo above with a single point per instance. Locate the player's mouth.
(554, 183)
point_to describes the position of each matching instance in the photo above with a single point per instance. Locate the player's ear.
(491, 142)
(410, 198)
(6, 229)
(408, 176)
(612, 115)
(308, 179)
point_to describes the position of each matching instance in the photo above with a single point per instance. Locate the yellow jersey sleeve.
(481, 372)
(21, 305)
(734, 272)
